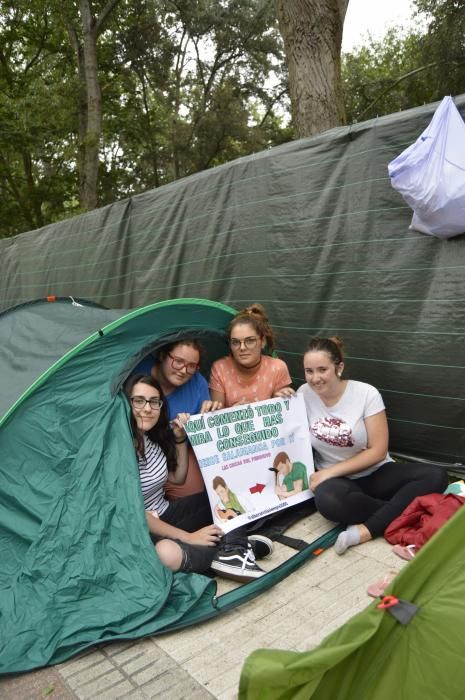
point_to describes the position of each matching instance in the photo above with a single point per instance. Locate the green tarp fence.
(313, 230)
(375, 657)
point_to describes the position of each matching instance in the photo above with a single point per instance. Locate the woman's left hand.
(208, 406)
(318, 477)
(178, 424)
(284, 393)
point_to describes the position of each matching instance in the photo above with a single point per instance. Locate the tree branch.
(103, 16)
(271, 105)
(404, 77)
(35, 58)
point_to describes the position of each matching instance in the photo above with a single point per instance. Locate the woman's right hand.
(177, 425)
(208, 536)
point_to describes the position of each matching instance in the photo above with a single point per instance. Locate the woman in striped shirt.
(185, 538)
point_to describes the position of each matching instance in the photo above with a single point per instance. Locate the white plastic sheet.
(430, 174)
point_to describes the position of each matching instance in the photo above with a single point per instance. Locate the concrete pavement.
(205, 661)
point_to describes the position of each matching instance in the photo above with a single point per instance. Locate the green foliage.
(185, 86)
(374, 77)
(408, 68)
(444, 44)
(36, 115)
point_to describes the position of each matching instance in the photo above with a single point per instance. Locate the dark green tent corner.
(77, 563)
(373, 656)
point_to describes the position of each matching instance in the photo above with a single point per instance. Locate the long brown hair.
(161, 433)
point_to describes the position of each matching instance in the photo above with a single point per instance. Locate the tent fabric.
(77, 563)
(314, 231)
(38, 334)
(372, 655)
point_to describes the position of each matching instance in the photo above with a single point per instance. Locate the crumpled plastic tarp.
(430, 174)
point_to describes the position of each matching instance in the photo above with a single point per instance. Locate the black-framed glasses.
(249, 342)
(179, 363)
(141, 402)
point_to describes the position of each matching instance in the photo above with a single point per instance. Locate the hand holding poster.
(255, 459)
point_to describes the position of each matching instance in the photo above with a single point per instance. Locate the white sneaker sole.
(235, 572)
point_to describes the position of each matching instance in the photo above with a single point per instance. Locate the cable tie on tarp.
(401, 610)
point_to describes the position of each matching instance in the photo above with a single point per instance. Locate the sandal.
(376, 590)
(407, 552)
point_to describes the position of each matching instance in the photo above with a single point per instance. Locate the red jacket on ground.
(422, 518)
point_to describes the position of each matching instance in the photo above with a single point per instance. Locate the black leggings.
(191, 513)
(377, 499)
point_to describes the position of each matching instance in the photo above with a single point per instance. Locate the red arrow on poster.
(258, 488)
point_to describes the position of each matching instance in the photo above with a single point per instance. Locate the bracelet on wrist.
(179, 442)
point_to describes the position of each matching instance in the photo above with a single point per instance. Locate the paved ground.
(205, 661)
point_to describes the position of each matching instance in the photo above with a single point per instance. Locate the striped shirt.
(153, 474)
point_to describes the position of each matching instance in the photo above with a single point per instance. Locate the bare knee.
(170, 553)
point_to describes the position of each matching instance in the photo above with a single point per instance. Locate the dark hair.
(219, 481)
(256, 316)
(161, 433)
(191, 342)
(280, 457)
(332, 346)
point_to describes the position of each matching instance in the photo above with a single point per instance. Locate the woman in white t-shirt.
(355, 482)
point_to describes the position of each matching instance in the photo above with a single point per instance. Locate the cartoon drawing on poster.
(255, 459)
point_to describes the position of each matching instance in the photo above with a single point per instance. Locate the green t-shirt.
(298, 471)
(233, 503)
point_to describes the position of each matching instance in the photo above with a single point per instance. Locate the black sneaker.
(262, 546)
(237, 564)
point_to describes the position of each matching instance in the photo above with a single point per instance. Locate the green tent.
(374, 656)
(77, 563)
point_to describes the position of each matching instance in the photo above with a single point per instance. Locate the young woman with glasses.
(248, 375)
(186, 391)
(184, 536)
(177, 371)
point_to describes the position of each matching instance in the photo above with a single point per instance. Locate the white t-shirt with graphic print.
(338, 432)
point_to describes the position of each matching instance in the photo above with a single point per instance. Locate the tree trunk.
(312, 35)
(89, 177)
(90, 98)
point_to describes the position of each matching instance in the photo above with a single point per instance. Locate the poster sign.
(255, 459)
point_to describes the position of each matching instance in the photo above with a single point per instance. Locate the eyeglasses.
(249, 342)
(178, 363)
(141, 402)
